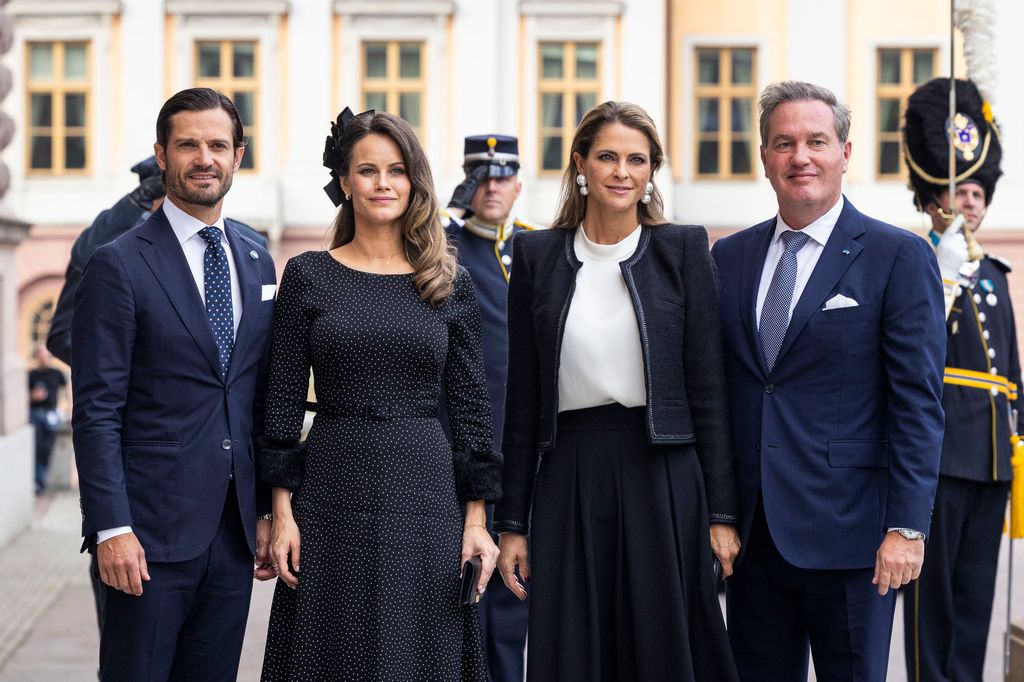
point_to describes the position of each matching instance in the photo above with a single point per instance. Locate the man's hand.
(951, 251)
(264, 566)
(897, 562)
(462, 197)
(122, 563)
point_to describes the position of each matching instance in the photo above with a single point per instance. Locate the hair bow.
(333, 152)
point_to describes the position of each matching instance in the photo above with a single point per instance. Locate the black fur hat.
(926, 145)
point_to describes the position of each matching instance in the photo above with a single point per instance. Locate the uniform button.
(501, 244)
(977, 298)
(959, 290)
(506, 259)
(991, 300)
(991, 352)
(226, 444)
(770, 388)
(993, 371)
(981, 317)
(994, 391)
(985, 335)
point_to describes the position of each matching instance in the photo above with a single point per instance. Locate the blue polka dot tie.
(217, 285)
(775, 311)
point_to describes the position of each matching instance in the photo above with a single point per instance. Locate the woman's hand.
(284, 543)
(725, 543)
(514, 553)
(476, 541)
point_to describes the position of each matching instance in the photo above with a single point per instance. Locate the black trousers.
(190, 620)
(948, 609)
(775, 610)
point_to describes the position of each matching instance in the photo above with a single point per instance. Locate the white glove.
(952, 251)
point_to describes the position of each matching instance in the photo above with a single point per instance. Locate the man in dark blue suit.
(171, 329)
(834, 333)
(484, 241)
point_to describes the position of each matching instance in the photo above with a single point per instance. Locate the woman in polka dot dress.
(369, 528)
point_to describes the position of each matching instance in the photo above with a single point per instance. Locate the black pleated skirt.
(622, 584)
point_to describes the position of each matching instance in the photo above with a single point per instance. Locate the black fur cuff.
(280, 463)
(478, 476)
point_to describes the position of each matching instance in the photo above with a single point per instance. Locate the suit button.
(770, 388)
(226, 443)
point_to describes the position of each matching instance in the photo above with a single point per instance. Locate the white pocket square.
(840, 301)
(267, 292)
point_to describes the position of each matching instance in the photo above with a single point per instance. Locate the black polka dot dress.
(379, 504)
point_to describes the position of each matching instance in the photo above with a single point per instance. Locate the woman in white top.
(617, 387)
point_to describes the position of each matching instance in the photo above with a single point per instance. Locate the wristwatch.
(910, 534)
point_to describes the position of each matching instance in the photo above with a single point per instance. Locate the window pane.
(889, 115)
(888, 66)
(42, 110)
(586, 60)
(74, 152)
(378, 101)
(889, 158)
(409, 61)
(41, 151)
(409, 108)
(708, 66)
(585, 101)
(551, 60)
(551, 110)
(74, 110)
(551, 152)
(249, 157)
(742, 67)
(245, 103)
(707, 115)
(40, 61)
(209, 60)
(924, 67)
(741, 157)
(244, 62)
(376, 60)
(742, 114)
(707, 157)
(76, 66)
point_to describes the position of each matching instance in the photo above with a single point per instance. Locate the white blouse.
(601, 357)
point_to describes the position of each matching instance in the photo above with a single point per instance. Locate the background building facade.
(91, 75)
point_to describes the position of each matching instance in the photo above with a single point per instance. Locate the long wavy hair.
(423, 238)
(572, 206)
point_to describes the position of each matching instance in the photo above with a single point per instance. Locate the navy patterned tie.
(775, 311)
(217, 285)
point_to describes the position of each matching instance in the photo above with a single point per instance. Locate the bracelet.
(265, 517)
(476, 525)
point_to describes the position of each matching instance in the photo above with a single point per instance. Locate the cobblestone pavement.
(48, 632)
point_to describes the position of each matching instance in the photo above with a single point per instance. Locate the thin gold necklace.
(372, 257)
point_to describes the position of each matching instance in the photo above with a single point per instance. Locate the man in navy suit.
(835, 339)
(172, 323)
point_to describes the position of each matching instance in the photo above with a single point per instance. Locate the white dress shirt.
(186, 229)
(601, 358)
(806, 258)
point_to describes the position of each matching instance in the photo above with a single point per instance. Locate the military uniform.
(947, 611)
(486, 252)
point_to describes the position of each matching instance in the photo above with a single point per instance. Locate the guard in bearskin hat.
(948, 609)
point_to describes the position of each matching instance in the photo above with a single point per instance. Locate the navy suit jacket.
(842, 438)
(158, 431)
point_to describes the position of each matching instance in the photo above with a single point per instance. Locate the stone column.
(17, 455)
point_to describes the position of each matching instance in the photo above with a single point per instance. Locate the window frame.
(569, 87)
(58, 87)
(900, 91)
(393, 85)
(724, 91)
(228, 84)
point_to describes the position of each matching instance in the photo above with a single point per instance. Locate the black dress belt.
(373, 411)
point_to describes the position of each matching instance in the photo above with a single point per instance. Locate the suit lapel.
(247, 270)
(839, 253)
(754, 254)
(165, 258)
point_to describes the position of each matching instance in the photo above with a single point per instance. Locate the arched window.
(42, 317)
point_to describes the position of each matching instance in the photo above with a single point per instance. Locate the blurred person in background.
(47, 388)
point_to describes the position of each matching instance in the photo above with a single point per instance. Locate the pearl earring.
(348, 197)
(581, 180)
(646, 198)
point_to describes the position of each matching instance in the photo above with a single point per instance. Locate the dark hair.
(424, 239)
(572, 206)
(197, 99)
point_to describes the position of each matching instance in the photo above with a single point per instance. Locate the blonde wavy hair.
(425, 242)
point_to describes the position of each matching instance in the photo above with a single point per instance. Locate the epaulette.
(1002, 263)
(525, 225)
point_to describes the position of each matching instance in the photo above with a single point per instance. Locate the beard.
(176, 184)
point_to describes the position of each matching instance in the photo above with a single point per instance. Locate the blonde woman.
(371, 526)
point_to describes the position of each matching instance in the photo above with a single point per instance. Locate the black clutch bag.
(468, 593)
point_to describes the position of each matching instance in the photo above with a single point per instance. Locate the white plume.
(976, 20)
